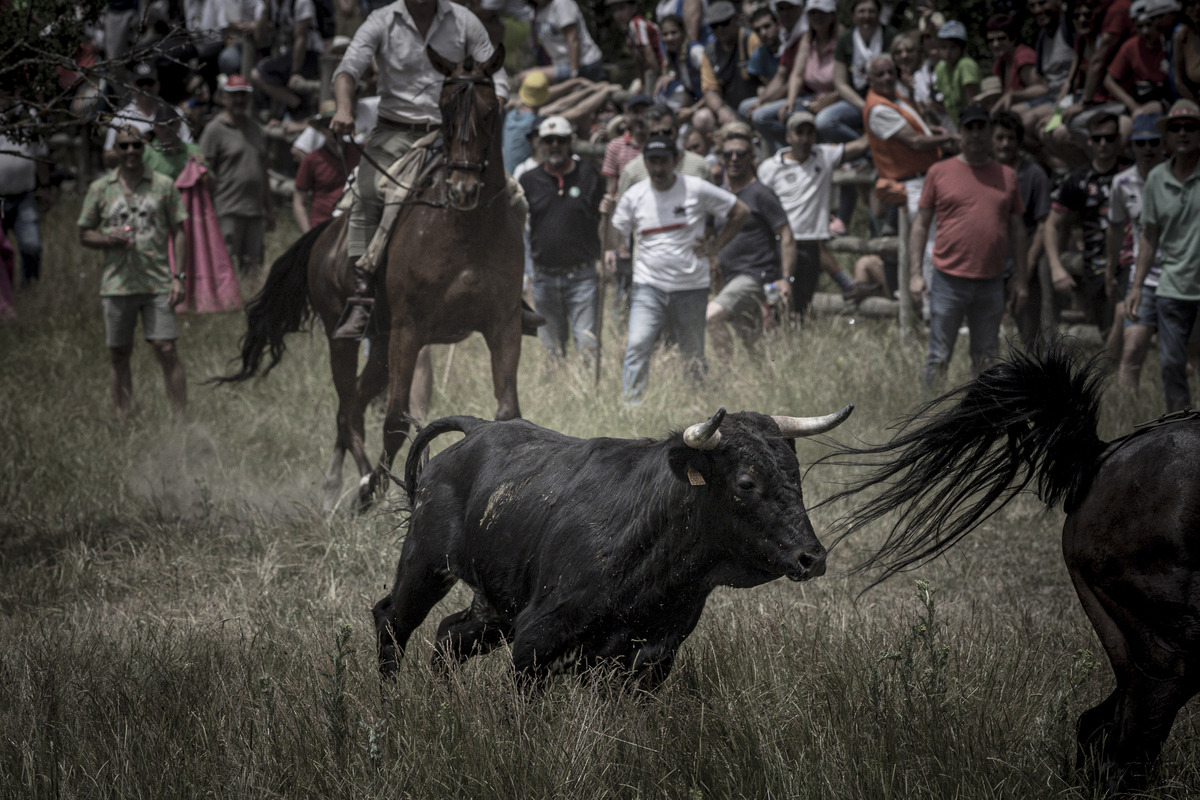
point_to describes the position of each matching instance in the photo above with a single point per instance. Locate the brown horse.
(453, 266)
(1131, 539)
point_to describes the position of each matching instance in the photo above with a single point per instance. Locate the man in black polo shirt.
(564, 196)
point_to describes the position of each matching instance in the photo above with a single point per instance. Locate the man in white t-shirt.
(801, 175)
(666, 213)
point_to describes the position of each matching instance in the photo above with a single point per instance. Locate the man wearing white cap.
(802, 177)
(396, 36)
(564, 196)
(235, 148)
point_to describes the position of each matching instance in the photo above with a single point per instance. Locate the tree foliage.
(38, 63)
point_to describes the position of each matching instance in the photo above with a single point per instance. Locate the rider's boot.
(353, 322)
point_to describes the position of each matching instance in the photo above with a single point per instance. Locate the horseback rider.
(409, 86)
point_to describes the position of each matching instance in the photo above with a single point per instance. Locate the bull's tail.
(280, 308)
(412, 465)
(962, 457)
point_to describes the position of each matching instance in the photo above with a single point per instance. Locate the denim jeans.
(950, 299)
(1175, 320)
(841, 122)
(21, 217)
(568, 302)
(651, 311)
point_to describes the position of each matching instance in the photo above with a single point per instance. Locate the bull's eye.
(746, 485)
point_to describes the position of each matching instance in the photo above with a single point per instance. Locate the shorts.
(277, 71)
(120, 318)
(742, 297)
(1147, 309)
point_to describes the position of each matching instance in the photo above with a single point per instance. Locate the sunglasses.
(1146, 142)
(1183, 127)
(130, 145)
(734, 153)
(556, 139)
(662, 132)
(1105, 137)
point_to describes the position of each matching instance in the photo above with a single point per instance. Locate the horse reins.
(468, 166)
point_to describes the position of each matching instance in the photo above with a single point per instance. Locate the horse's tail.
(280, 308)
(1028, 420)
(412, 465)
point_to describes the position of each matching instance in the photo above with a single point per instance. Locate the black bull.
(589, 551)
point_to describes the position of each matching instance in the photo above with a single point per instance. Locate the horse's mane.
(460, 107)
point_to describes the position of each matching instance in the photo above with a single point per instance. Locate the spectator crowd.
(694, 164)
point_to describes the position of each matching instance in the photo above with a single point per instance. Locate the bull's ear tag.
(694, 478)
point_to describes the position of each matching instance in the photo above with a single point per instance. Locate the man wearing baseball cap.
(235, 148)
(666, 214)
(1125, 216)
(802, 177)
(564, 195)
(1169, 205)
(978, 206)
(139, 114)
(957, 76)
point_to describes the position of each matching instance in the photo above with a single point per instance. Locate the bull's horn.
(795, 427)
(704, 435)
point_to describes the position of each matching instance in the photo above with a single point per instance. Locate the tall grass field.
(180, 620)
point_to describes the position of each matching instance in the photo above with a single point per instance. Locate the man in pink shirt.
(978, 207)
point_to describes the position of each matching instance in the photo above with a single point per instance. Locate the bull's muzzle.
(810, 563)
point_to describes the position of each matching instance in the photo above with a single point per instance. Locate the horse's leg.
(371, 382)
(402, 360)
(504, 343)
(343, 364)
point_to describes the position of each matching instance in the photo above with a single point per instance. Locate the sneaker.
(836, 227)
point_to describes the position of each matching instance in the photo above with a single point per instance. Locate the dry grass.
(180, 621)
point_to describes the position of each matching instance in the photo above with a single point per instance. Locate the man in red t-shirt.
(322, 177)
(1137, 76)
(978, 207)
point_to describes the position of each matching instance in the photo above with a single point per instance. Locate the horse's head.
(470, 117)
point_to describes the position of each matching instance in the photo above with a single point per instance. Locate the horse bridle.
(470, 166)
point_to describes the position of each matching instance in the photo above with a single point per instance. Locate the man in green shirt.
(168, 153)
(129, 214)
(1169, 204)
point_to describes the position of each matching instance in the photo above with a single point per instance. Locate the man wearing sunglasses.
(1082, 198)
(763, 251)
(1124, 238)
(1169, 209)
(129, 214)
